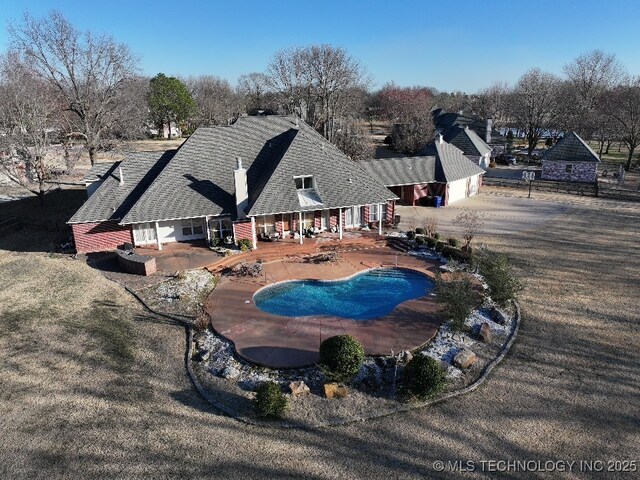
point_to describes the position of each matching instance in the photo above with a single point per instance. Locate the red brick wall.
(317, 218)
(242, 230)
(100, 237)
(365, 214)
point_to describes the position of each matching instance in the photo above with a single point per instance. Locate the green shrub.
(341, 357)
(454, 253)
(503, 286)
(439, 246)
(215, 242)
(270, 402)
(244, 244)
(423, 377)
(457, 297)
(453, 242)
(421, 240)
(420, 231)
(411, 234)
(431, 242)
(436, 235)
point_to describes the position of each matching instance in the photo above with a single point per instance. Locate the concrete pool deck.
(287, 342)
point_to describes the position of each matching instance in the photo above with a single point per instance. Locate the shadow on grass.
(39, 228)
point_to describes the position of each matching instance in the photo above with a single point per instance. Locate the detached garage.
(444, 171)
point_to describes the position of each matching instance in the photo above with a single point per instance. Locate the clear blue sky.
(451, 45)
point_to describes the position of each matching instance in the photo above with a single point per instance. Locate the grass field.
(93, 387)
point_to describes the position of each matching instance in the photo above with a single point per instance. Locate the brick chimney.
(489, 126)
(242, 192)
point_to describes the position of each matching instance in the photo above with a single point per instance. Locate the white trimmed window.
(304, 183)
(191, 227)
(266, 224)
(373, 213)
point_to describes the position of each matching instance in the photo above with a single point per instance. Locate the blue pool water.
(368, 295)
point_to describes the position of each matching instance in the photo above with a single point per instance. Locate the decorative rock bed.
(228, 382)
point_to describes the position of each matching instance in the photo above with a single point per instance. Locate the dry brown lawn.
(91, 386)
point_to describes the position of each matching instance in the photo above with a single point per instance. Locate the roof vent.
(297, 123)
(239, 161)
(120, 175)
(440, 139)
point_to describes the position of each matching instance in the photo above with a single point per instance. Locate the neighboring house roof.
(97, 172)
(571, 148)
(445, 120)
(466, 140)
(439, 162)
(198, 180)
(111, 201)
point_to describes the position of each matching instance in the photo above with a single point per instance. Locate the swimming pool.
(367, 295)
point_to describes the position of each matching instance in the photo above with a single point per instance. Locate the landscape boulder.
(465, 358)
(406, 356)
(299, 388)
(485, 333)
(230, 372)
(333, 390)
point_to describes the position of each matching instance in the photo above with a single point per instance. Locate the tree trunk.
(92, 154)
(606, 152)
(169, 129)
(41, 192)
(628, 165)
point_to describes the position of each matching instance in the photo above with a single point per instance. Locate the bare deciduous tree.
(409, 109)
(492, 102)
(254, 88)
(216, 101)
(90, 72)
(532, 105)
(589, 76)
(470, 222)
(28, 110)
(624, 108)
(317, 83)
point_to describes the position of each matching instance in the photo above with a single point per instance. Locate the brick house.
(261, 176)
(570, 160)
(440, 170)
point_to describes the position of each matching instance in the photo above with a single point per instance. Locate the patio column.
(379, 219)
(340, 222)
(206, 225)
(253, 233)
(158, 236)
(300, 225)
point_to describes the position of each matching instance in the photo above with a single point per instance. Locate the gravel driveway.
(568, 390)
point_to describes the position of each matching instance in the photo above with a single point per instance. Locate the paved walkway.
(281, 342)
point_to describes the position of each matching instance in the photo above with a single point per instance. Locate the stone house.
(570, 160)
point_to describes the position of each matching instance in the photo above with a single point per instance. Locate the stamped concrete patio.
(283, 342)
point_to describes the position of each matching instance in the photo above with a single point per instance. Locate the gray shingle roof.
(339, 181)
(98, 172)
(439, 162)
(402, 170)
(444, 120)
(198, 180)
(451, 163)
(112, 201)
(466, 140)
(571, 148)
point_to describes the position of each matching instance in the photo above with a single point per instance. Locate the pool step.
(400, 244)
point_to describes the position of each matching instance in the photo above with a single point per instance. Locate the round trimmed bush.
(454, 242)
(411, 234)
(436, 235)
(421, 240)
(244, 244)
(431, 242)
(341, 357)
(270, 402)
(420, 231)
(423, 377)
